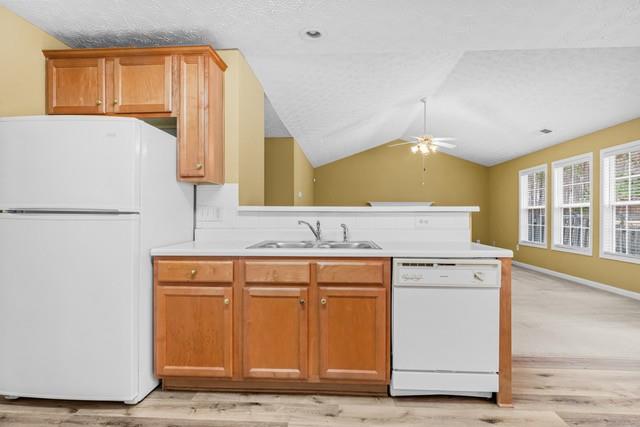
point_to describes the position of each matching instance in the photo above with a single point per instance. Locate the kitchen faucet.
(316, 232)
(345, 233)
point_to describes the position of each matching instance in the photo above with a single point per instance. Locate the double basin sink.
(308, 244)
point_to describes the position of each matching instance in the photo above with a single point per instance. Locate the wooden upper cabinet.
(192, 129)
(142, 84)
(76, 86)
(275, 333)
(194, 331)
(185, 82)
(353, 338)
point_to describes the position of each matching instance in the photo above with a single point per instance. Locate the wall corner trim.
(580, 281)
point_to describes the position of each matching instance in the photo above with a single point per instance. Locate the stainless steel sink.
(274, 244)
(306, 244)
(367, 244)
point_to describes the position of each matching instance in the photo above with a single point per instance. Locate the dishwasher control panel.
(446, 272)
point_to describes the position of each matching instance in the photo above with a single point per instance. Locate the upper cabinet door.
(141, 84)
(76, 86)
(192, 137)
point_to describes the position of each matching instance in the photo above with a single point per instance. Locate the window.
(533, 200)
(620, 217)
(572, 204)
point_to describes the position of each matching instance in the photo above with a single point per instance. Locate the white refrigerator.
(82, 201)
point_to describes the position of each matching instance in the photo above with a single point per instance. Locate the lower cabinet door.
(275, 333)
(353, 333)
(194, 331)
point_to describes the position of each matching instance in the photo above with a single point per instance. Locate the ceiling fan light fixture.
(414, 149)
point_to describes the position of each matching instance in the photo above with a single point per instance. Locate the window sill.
(585, 252)
(533, 245)
(623, 258)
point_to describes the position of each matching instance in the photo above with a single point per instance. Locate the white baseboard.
(581, 281)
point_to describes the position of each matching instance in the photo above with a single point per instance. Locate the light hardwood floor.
(576, 363)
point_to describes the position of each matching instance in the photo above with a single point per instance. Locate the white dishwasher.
(445, 326)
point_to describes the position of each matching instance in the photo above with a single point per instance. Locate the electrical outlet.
(517, 246)
(299, 194)
(208, 213)
(422, 222)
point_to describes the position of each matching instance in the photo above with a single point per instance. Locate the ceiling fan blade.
(402, 143)
(445, 138)
(443, 144)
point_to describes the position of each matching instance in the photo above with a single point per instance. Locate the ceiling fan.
(425, 143)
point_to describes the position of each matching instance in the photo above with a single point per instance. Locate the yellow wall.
(22, 70)
(303, 187)
(395, 174)
(279, 171)
(244, 128)
(503, 207)
(287, 173)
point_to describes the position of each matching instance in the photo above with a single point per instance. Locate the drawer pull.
(226, 301)
(193, 273)
(323, 301)
(301, 301)
(478, 276)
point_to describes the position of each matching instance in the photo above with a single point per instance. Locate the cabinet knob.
(199, 166)
(115, 102)
(98, 102)
(323, 301)
(227, 301)
(301, 301)
(193, 273)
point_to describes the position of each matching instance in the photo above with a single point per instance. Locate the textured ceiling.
(496, 71)
(273, 126)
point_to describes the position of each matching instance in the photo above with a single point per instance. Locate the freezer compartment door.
(446, 329)
(67, 298)
(67, 162)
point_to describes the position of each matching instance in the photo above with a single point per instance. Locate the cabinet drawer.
(366, 272)
(195, 271)
(276, 272)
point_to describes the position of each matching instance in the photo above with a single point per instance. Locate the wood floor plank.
(600, 420)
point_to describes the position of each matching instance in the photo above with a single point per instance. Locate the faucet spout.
(316, 231)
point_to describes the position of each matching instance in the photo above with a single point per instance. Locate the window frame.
(557, 193)
(604, 153)
(522, 209)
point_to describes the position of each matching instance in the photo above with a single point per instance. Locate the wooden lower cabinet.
(274, 328)
(194, 331)
(353, 332)
(275, 333)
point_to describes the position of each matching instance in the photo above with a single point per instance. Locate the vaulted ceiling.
(495, 71)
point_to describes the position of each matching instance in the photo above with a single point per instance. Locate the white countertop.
(389, 249)
(358, 209)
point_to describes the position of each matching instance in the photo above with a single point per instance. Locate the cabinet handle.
(193, 273)
(199, 166)
(98, 102)
(226, 301)
(301, 301)
(323, 301)
(115, 102)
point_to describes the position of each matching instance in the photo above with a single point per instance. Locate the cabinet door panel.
(275, 333)
(192, 120)
(142, 84)
(194, 331)
(75, 86)
(353, 337)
